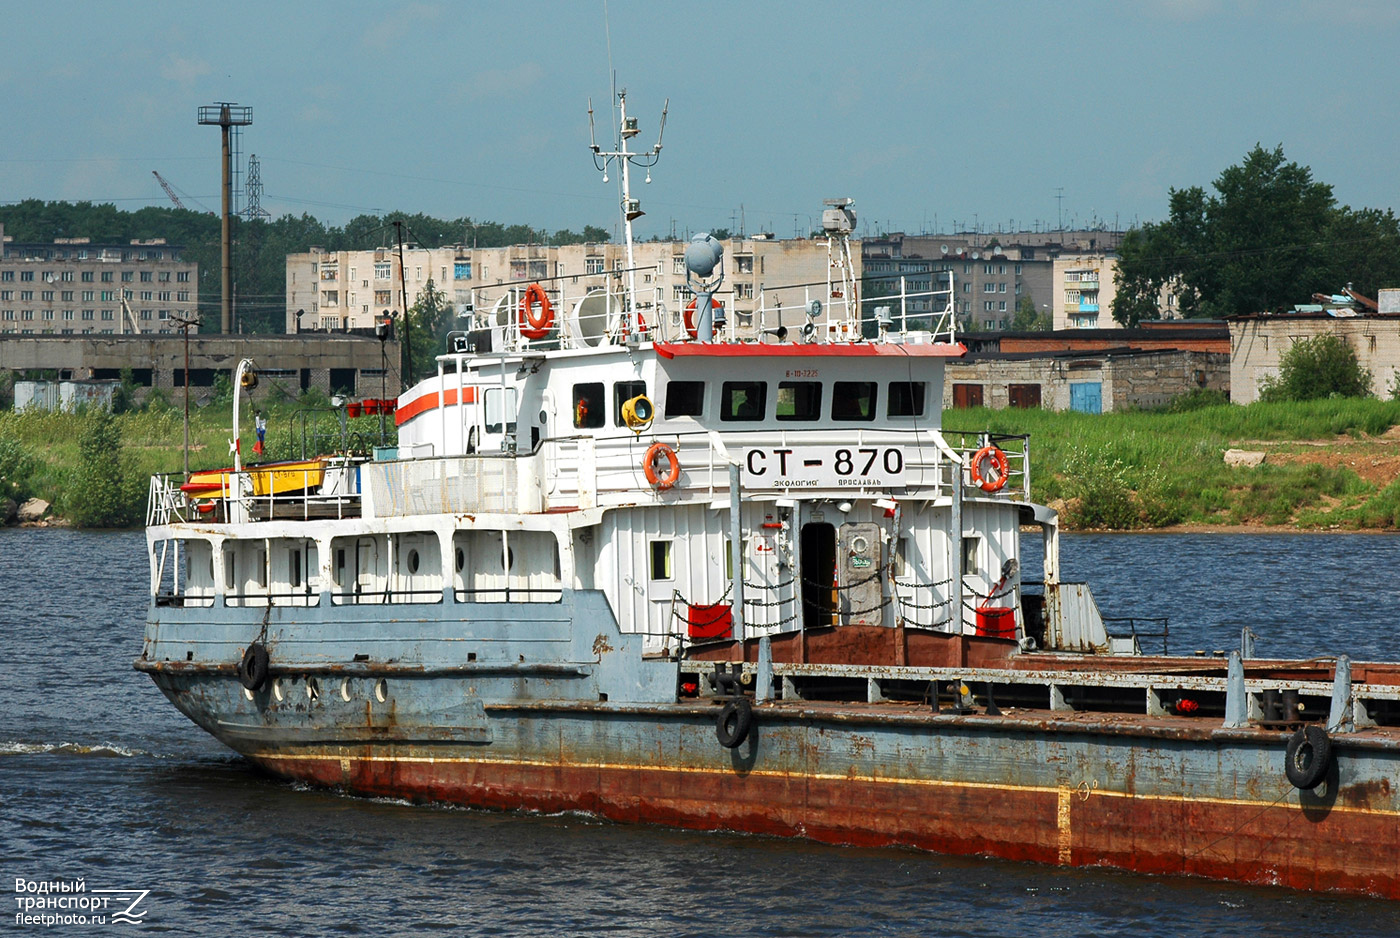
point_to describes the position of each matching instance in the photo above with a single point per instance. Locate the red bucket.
(353, 408)
(996, 623)
(389, 405)
(371, 406)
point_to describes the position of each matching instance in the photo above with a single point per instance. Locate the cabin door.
(366, 564)
(860, 569)
(498, 424)
(818, 575)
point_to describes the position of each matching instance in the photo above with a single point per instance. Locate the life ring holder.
(688, 317)
(1000, 465)
(673, 464)
(534, 326)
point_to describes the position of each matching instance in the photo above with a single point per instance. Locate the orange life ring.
(535, 326)
(689, 317)
(1000, 466)
(673, 466)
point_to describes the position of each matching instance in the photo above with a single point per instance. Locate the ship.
(647, 562)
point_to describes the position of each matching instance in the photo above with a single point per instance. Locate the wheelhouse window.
(907, 398)
(742, 400)
(589, 406)
(624, 391)
(853, 400)
(685, 399)
(799, 400)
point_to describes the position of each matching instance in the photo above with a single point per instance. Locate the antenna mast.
(625, 159)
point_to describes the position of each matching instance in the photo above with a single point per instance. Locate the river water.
(101, 779)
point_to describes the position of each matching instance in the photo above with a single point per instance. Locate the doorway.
(818, 575)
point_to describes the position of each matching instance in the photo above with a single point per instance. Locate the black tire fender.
(1308, 757)
(734, 722)
(252, 670)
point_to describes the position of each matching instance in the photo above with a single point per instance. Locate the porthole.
(277, 690)
(345, 689)
(413, 561)
(313, 689)
(247, 693)
(461, 560)
(381, 690)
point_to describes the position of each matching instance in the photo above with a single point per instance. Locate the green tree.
(1268, 237)
(1027, 319)
(430, 319)
(110, 494)
(1323, 366)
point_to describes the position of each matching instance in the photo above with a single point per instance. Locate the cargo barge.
(637, 562)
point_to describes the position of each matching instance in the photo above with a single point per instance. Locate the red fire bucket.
(996, 623)
(353, 409)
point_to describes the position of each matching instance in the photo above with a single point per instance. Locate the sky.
(933, 116)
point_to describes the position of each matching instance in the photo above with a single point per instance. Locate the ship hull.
(1133, 795)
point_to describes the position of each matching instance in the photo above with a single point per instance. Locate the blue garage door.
(1086, 396)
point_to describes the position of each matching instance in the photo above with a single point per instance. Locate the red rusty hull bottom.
(1278, 843)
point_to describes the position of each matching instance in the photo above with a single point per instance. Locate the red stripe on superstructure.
(768, 350)
(429, 401)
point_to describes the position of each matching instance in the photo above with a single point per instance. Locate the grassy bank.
(1328, 463)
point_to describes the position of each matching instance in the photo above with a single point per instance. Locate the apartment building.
(349, 290)
(72, 286)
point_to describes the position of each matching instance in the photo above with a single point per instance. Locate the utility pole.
(405, 359)
(226, 115)
(184, 325)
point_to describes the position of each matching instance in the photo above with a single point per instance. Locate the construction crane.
(168, 191)
(128, 317)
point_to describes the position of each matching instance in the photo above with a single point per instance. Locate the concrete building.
(1083, 287)
(1258, 341)
(337, 291)
(72, 286)
(991, 272)
(1115, 379)
(351, 364)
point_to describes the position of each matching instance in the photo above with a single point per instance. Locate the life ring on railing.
(689, 316)
(673, 466)
(996, 478)
(534, 326)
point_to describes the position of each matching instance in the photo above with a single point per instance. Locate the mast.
(630, 208)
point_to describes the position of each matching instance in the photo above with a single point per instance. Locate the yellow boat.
(274, 478)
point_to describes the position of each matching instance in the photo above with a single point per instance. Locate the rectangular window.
(107, 315)
(46, 295)
(501, 406)
(87, 314)
(146, 295)
(799, 400)
(87, 296)
(183, 276)
(164, 276)
(906, 398)
(685, 399)
(1001, 288)
(330, 297)
(989, 287)
(7, 276)
(127, 276)
(589, 406)
(742, 400)
(381, 297)
(594, 265)
(853, 400)
(1001, 306)
(383, 270)
(971, 550)
(67, 296)
(26, 294)
(745, 264)
(26, 275)
(661, 560)
(145, 276)
(106, 276)
(7, 294)
(461, 270)
(87, 276)
(624, 391)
